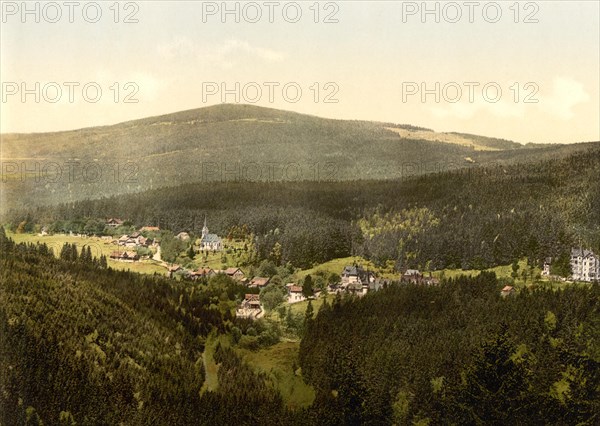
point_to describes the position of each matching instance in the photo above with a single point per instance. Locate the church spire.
(205, 228)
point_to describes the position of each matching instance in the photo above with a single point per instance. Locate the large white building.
(585, 265)
(209, 241)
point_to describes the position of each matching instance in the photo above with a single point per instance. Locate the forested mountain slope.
(472, 218)
(236, 142)
(457, 354)
(83, 344)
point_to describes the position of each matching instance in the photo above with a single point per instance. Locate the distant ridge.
(237, 142)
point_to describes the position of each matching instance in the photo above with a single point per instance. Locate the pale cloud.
(178, 47)
(225, 55)
(560, 102)
(567, 93)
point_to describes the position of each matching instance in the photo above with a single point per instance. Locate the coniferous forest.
(472, 218)
(300, 213)
(83, 344)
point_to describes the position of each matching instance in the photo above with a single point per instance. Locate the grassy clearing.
(502, 272)
(280, 362)
(97, 245)
(300, 307)
(211, 382)
(337, 265)
(215, 260)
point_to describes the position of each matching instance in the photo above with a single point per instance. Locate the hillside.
(456, 354)
(234, 142)
(470, 219)
(83, 344)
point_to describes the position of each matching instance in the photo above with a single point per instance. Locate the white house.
(250, 307)
(547, 267)
(585, 265)
(294, 293)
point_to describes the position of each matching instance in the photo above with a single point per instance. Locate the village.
(144, 246)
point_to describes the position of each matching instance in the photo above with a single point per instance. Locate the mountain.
(235, 142)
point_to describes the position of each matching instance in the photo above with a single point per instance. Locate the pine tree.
(307, 287)
(74, 252)
(496, 386)
(308, 315)
(65, 252)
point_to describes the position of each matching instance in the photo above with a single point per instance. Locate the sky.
(524, 71)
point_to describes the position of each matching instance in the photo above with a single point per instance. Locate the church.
(209, 241)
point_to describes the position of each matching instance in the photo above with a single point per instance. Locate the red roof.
(259, 281)
(295, 289)
(507, 288)
(124, 255)
(204, 271)
(252, 297)
(149, 228)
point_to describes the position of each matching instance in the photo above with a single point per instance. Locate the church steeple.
(205, 228)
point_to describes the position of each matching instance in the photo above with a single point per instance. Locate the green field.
(337, 265)
(211, 382)
(300, 307)
(97, 245)
(214, 260)
(280, 362)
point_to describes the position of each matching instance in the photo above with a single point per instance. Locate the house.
(202, 273)
(125, 241)
(259, 282)
(585, 265)
(135, 240)
(145, 242)
(128, 241)
(377, 285)
(430, 280)
(412, 276)
(250, 307)
(124, 256)
(356, 274)
(44, 231)
(114, 222)
(355, 280)
(183, 236)
(294, 293)
(149, 229)
(546, 267)
(172, 269)
(209, 241)
(235, 273)
(507, 291)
